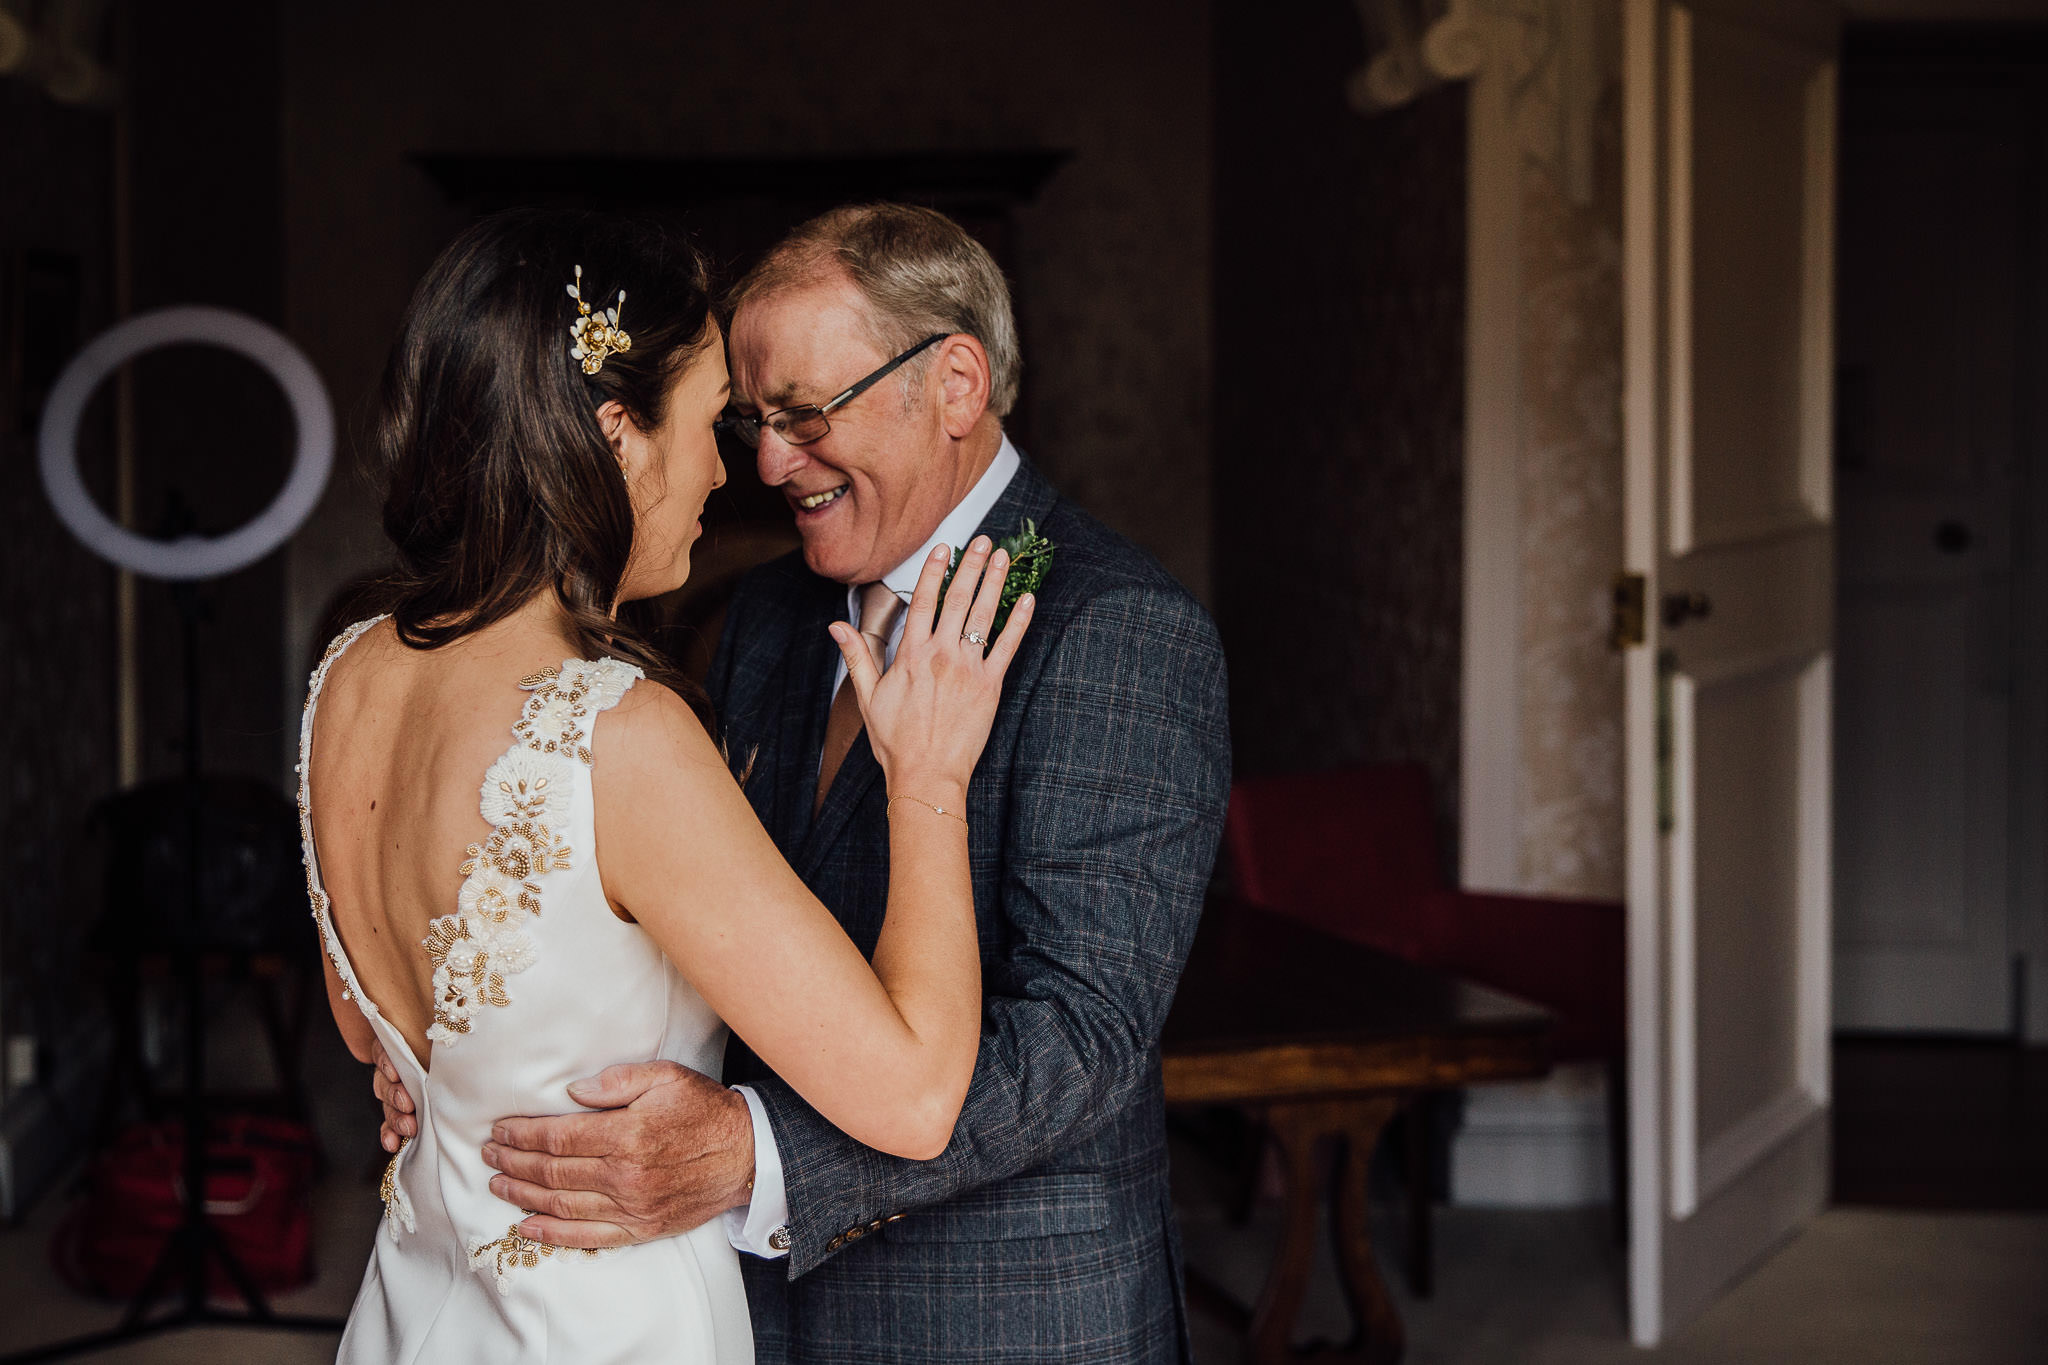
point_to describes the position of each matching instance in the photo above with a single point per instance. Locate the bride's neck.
(539, 625)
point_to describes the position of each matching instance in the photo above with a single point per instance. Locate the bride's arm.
(885, 1053)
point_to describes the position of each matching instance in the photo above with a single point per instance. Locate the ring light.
(188, 557)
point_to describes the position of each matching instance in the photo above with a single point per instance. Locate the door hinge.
(1631, 591)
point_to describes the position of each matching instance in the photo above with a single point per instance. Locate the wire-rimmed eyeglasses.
(806, 422)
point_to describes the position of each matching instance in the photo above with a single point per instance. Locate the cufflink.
(779, 1239)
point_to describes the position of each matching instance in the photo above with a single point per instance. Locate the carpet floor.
(1862, 1285)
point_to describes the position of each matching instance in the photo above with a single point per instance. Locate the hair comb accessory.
(597, 335)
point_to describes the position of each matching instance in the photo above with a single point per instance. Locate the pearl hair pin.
(596, 336)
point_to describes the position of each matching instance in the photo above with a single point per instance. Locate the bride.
(513, 893)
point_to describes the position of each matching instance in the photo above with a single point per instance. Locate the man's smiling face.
(868, 493)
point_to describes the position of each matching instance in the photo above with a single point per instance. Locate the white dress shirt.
(762, 1227)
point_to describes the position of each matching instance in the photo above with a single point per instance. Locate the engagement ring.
(972, 637)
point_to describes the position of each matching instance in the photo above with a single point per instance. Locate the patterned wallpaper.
(1571, 535)
(1340, 249)
(1340, 246)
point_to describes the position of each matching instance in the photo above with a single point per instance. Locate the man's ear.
(961, 370)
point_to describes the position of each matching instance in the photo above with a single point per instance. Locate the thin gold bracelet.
(938, 810)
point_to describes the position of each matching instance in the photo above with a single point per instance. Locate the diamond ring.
(972, 637)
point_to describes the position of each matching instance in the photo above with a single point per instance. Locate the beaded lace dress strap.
(316, 891)
(528, 798)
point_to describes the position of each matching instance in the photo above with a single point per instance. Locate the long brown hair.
(499, 482)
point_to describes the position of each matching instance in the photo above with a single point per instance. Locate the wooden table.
(1324, 1041)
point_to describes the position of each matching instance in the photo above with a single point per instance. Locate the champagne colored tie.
(879, 605)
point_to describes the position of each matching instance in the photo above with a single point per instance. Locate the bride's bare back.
(403, 740)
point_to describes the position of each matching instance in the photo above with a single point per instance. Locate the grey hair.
(920, 273)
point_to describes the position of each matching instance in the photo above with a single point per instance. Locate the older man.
(874, 356)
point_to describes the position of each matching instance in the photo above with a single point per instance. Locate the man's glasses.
(806, 422)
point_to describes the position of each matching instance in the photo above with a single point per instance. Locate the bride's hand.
(928, 716)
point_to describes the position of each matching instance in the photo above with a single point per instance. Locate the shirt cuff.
(762, 1227)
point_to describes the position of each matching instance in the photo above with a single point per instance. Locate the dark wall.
(203, 213)
(212, 434)
(1111, 255)
(1340, 262)
(56, 599)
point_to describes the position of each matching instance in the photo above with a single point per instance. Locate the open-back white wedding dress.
(537, 983)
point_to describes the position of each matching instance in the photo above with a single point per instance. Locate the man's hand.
(669, 1150)
(399, 1123)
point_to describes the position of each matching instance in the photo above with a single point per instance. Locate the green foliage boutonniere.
(1030, 560)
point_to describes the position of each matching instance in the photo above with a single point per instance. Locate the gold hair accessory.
(597, 336)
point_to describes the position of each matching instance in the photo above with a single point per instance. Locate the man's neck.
(978, 452)
(968, 505)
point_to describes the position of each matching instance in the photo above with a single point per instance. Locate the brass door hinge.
(1631, 591)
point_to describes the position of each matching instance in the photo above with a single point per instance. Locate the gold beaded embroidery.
(514, 1252)
(526, 797)
(397, 1206)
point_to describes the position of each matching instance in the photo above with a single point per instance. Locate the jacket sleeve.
(1117, 788)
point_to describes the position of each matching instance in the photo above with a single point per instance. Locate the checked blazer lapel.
(806, 698)
(857, 774)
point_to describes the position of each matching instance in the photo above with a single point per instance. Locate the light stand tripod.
(196, 1244)
(185, 560)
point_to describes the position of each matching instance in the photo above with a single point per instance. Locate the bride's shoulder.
(349, 656)
(353, 642)
(652, 731)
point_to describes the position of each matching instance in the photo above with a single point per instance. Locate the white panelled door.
(1730, 151)
(1934, 186)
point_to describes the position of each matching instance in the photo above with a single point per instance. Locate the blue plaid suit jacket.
(1045, 1231)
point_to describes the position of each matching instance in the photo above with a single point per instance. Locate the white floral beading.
(527, 796)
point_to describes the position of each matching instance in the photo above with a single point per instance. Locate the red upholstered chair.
(1352, 851)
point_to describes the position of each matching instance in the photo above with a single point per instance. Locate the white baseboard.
(1535, 1145)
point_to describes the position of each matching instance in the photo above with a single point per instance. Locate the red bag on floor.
(258, 1194)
